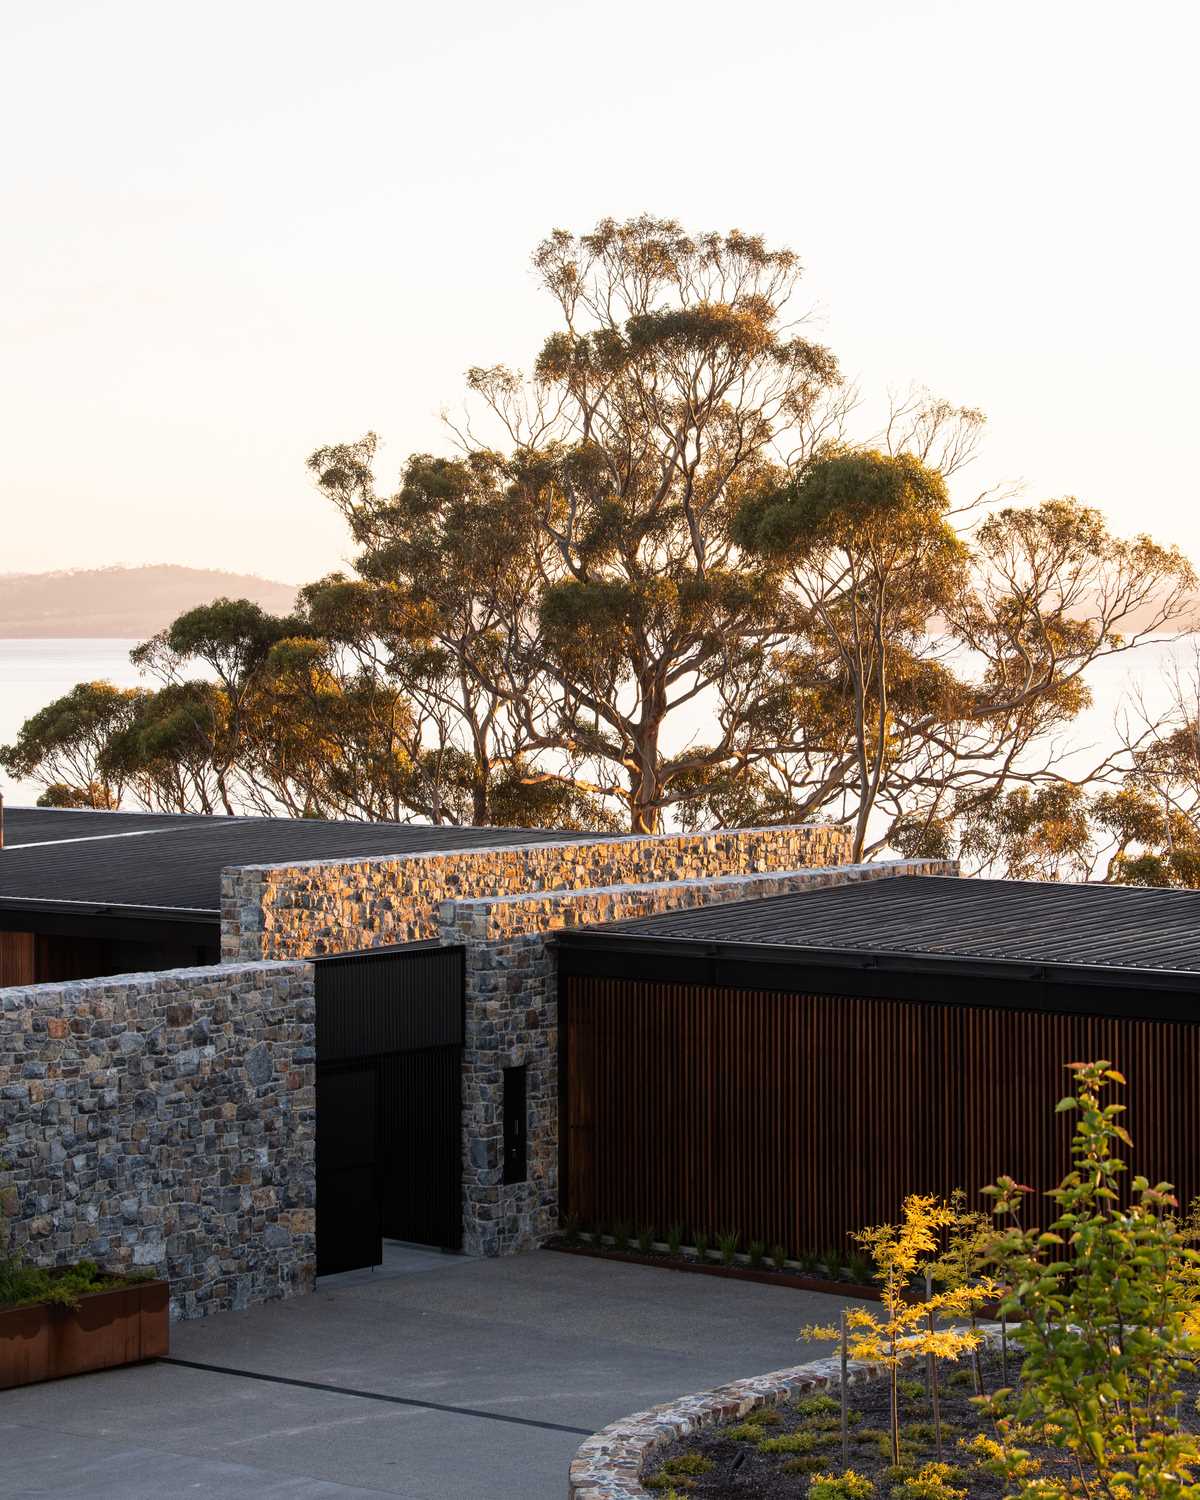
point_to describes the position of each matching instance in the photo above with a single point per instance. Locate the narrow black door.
(421, 1108)
(349, 1233)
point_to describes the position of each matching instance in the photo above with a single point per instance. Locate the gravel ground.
(775, 1458)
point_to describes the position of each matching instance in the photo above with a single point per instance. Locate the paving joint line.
(346, 1390)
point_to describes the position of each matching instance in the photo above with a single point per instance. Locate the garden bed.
(791, 1273)
(127, 1321)
(773, 1453)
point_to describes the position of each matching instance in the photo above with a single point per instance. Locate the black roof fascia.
(1009, 984)
(86, 919)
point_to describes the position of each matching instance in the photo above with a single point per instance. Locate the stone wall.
(332, 906)
(512, 1019)
(165, 1121)
(610, 1464)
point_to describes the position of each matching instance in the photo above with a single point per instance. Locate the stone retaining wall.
(333, 906)
(512, 1019)
(165, 1121)
(609, 1465)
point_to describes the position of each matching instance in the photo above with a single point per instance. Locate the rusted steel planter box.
(119, 1327)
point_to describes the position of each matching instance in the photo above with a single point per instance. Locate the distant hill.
(122, 603)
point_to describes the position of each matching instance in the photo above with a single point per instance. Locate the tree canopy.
(658, 582)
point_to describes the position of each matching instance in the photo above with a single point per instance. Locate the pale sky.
(233, 232)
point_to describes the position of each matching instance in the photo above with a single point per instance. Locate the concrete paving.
(434, 1378)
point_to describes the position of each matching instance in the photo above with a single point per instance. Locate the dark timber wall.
(796, 1119)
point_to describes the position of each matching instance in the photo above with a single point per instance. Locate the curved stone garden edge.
(609, 1464)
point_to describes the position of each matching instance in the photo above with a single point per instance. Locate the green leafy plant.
(757, 1253)
(778, 1257)
(22, 1284)
(727, 1243)
(645, 1239)
(620, 1235)
(860, 1267)
(675, 1239)
(933, 1481)
(702, 1241)
(796, 1442)
(832, 1261)
(807, 1463)
(1105, 1320)
(847, 1486)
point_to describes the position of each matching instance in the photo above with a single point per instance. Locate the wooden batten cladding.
(18, 959)
(796, 1119)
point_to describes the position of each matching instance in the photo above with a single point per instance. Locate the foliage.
(645, 1238)
(933, 1481)
(22, 1285)
(779, 1257)
(757, 1252)
(669, 516)
(675, 1239)
(701, 1240)
(847, 1486)
(63, 745)
(727, 1243)
(907, 1328)
(1107, 1323)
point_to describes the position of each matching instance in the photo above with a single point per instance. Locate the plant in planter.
(727, 1243)
(778, 1257)
(675, 1239)
(702, 1241)
(78, 1318)
(620, 1235)
(645, 1239)
(757, 1253)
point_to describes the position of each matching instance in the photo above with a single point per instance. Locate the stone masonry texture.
(333, 906)
(165, 1121)
(512, 1019)
(500, 903)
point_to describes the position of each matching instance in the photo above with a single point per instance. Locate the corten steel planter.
(44, 1341)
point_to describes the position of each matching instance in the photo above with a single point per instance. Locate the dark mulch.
(743, 1469)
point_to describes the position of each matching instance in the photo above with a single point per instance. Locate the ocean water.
(34, 672)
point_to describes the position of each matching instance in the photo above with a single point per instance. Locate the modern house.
(375, 1052)
(243, 1050)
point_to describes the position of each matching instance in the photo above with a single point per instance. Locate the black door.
(421, 1101)
(349, 1231)
(389, 1102)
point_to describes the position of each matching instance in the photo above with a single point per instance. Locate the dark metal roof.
(160, 861)
(1131, 933)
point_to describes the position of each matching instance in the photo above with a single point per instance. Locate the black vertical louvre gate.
(389, 1102)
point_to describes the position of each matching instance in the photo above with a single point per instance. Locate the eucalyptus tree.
(929, 670)
(63, 745)
(677, 382)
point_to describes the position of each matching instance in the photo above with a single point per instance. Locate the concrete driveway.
(435, 1378)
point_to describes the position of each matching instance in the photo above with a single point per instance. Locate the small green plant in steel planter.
(727, 1243)
(675, 1239)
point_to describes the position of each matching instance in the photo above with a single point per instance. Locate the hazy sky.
(232, 232)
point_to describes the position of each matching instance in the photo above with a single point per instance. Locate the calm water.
(34, 672)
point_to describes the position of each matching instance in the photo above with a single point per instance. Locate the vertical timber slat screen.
(796, 1119)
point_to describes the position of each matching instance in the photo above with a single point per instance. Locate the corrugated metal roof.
(1040, 922)
(164, 861)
